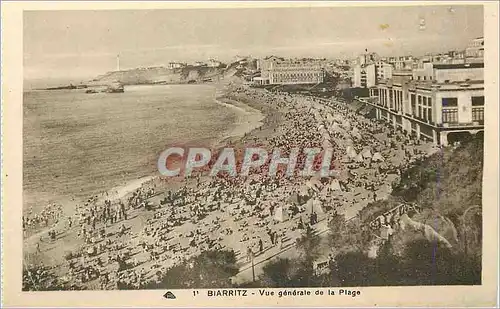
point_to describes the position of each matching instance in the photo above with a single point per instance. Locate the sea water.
(76, 145)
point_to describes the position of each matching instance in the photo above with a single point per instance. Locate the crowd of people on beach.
(134, 242)
(48, 216)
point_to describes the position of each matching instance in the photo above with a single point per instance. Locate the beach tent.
(326, 144)
(355, 133)
(346, 124)
(348, 142)
(314, 205)
(351, 153)
(294, 199)
(335, 185)
(280, 214)
(314, 184)
(338, 118)
(304, 191)
(377, 157)
(367, 153)
(359, 158)
(335, 127)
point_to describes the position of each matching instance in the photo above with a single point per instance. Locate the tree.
(308, 244)
(277, 273)
(210, 269)
(428, 263)
(337, 229)
(355, 269)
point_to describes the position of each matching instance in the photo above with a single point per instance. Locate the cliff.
(160, 75)
(447, 187)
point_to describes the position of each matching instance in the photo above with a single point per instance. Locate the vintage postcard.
(240, 154)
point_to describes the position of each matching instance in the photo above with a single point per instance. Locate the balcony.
(478, 115)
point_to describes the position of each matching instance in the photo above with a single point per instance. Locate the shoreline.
(249, 119)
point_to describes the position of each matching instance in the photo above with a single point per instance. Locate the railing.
(392, 214)
(478, 114)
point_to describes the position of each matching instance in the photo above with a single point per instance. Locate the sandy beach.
(247, 120)
(204, 212)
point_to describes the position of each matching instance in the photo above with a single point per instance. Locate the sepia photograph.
(268, 151)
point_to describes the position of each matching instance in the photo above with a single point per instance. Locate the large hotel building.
(435, 101)
(280, 71)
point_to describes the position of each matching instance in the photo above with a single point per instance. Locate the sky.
(82, 44)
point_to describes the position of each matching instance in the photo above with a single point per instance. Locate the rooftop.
(448, 66)
(434, 84)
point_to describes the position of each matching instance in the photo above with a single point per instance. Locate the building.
(368, 75)
(176, 65)
(364, 76)
(239, 58)
(280, 71)
(212, 63)
(366, 58)
(383, 70)
(447, 103)
(423, 71)
(400, 62)
(475, 50)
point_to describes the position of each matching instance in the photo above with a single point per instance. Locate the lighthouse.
(118, 62)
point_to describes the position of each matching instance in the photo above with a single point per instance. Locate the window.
(429, 101)
(450, 115)
(450, 102)
(413, 104)
(478, 114)
(429, 114)
(478, 101)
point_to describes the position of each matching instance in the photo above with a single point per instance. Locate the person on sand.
(121, 230)
(249, 254)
